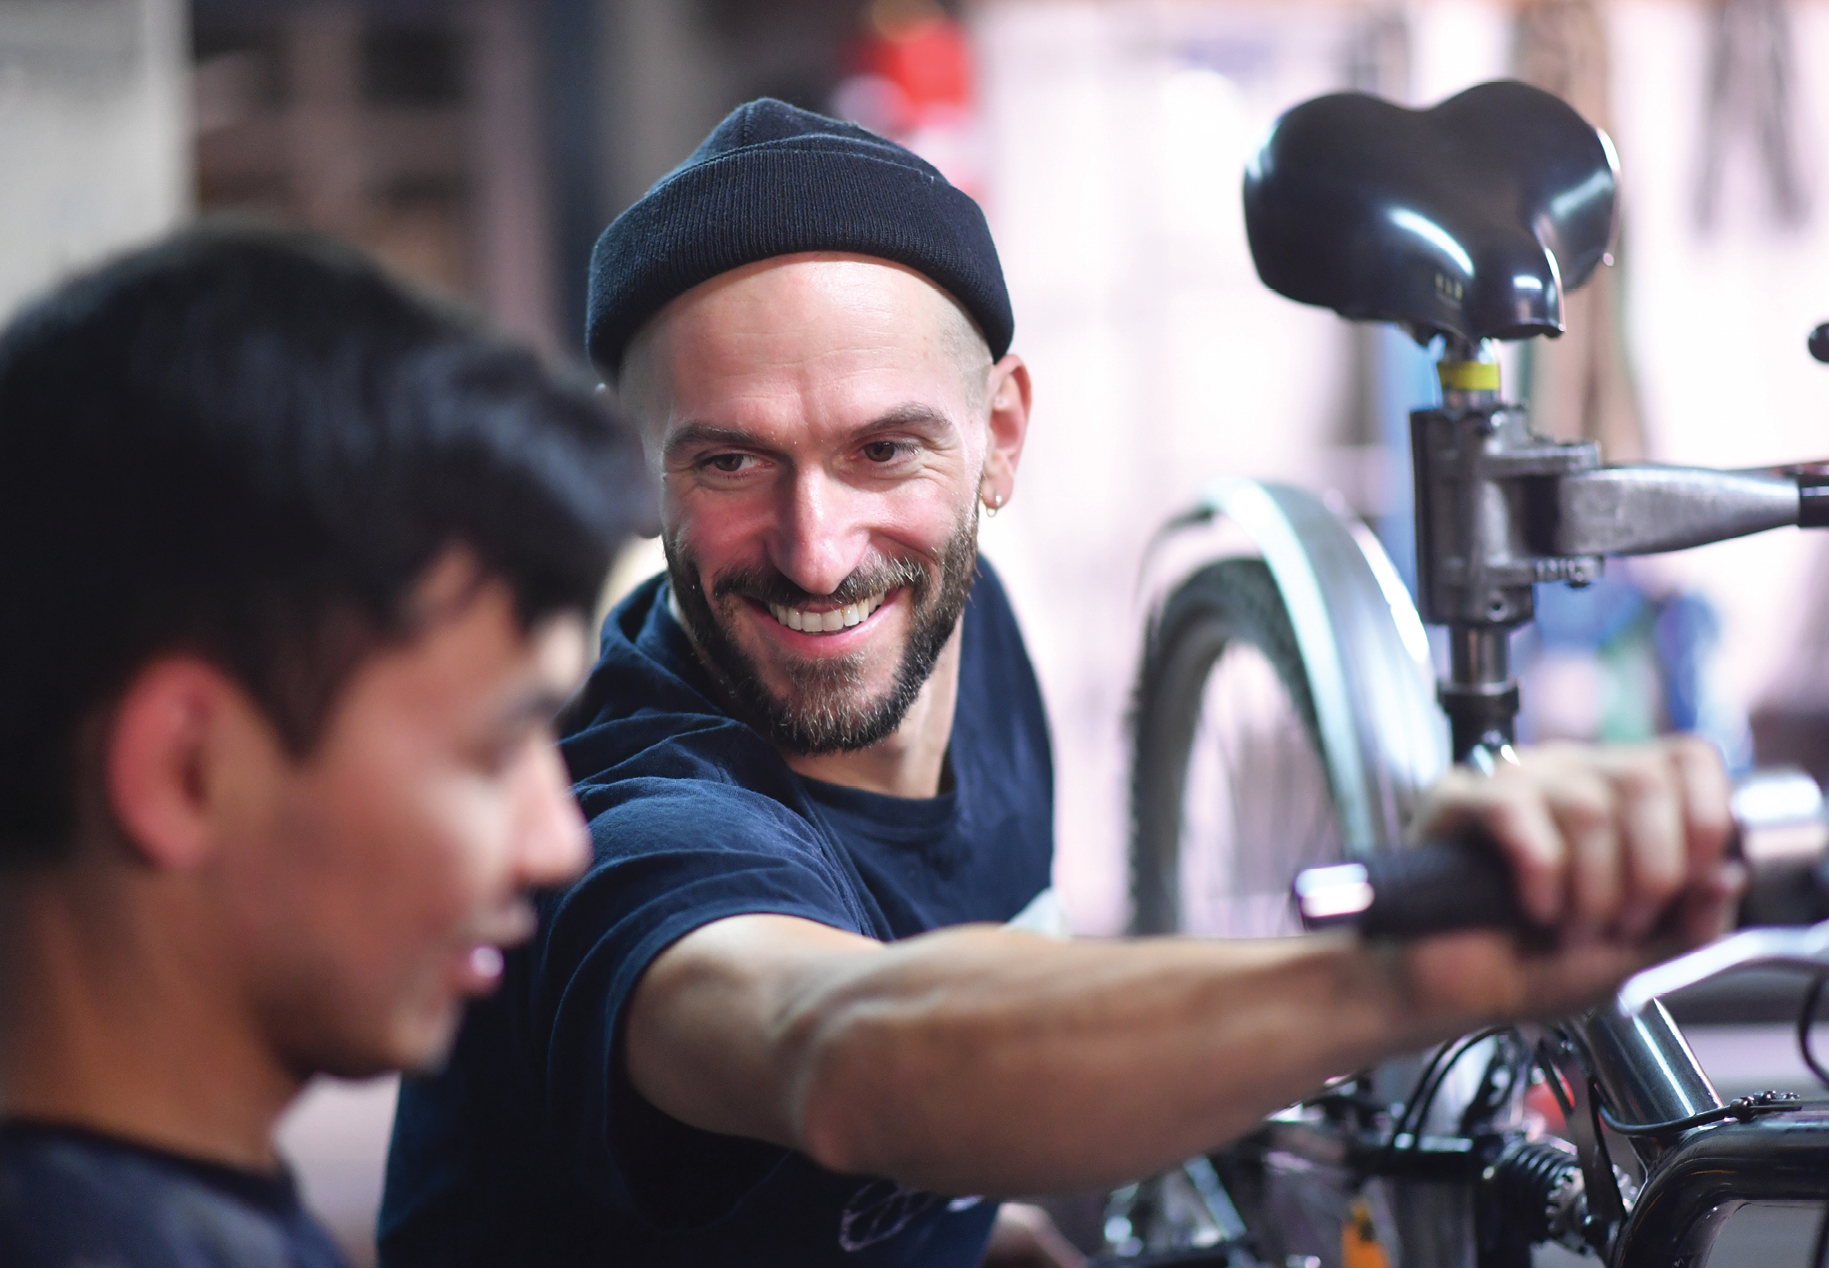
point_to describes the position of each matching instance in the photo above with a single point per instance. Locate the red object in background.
(1542, 1098)
(911, 80)
(929, 59)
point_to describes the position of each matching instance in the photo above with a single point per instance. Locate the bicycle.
(1463, 224)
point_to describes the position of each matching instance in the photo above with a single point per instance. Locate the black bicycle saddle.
(1468, 219)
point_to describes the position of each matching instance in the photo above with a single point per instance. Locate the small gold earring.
(994, 505)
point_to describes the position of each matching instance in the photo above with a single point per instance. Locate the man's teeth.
(826, 622)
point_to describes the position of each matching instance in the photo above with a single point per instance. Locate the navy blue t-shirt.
(71, 1198)
(534, 1148)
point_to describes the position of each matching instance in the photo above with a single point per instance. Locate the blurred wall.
(1716, 320)
(413, 128)
(670, 69)
(94, 133)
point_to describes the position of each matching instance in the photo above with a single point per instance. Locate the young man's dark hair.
(295, 565)
(251, 446)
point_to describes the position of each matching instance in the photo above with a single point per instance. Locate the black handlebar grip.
(1813, 501)
(1412, 893)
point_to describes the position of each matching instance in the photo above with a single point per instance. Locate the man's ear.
(1008, 423)
(163, 755)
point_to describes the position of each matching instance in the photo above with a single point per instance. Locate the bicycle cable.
(1450, 1057)
(1423, 1081)
(1806, 1017)
(1429, 1084)
(1744, 1108)
(1416, 1090)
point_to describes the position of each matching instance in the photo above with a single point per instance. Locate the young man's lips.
(479, 967)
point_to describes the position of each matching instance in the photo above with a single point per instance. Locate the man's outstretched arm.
(982, 1060)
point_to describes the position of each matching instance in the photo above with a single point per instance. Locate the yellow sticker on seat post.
(1468, 376)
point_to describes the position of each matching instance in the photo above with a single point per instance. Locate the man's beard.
(826, 710)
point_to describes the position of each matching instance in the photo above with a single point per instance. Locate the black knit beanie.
(773, 180)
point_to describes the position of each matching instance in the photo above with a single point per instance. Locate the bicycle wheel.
(1284, 718)
(1230, 787)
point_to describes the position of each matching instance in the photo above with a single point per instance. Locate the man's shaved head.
(969, 350)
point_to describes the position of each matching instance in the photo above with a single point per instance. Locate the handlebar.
(1782, 834)
(1429, 889)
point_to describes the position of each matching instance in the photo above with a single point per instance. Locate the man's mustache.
(770, 586)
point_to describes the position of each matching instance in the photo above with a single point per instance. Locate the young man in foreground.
(295, 567)
(782, 1020)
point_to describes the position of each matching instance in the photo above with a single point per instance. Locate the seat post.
(1476, 462)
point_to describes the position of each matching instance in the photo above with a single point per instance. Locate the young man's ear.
(162, 758)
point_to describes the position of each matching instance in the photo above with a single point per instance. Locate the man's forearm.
(981, 1060)
(977, 1059)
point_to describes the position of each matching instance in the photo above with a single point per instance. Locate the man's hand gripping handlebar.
(1780, 842)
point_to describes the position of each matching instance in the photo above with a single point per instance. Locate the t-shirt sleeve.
(671, 856)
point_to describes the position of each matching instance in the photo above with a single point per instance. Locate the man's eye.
(883, 451)
(727, 463)
(499, 753)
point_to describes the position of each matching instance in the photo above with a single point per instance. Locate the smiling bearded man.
(822, 711)
(782, 1020)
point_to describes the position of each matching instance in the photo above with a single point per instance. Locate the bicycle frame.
(1500, 509)
(1708, 1175)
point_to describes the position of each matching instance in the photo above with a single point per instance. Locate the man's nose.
(824, 533)
(552, 843)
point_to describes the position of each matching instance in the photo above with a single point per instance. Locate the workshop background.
(481, 145)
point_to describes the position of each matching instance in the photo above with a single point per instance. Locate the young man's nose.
(553, 844)
(823, 533)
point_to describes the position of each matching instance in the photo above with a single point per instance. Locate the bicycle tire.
(1325, 617)
(1225, 606)
(1323, 630)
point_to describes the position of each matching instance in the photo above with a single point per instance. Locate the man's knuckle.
(1645, 777)
(1585, 808)
(1509, 818)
